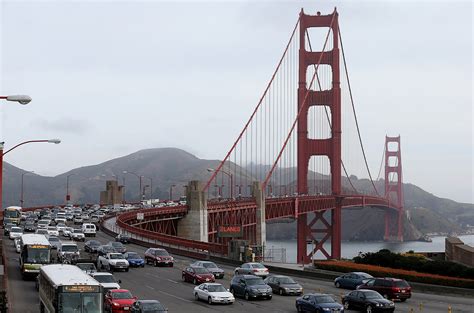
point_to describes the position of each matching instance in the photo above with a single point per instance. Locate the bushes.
(378, 271)
(414, 262)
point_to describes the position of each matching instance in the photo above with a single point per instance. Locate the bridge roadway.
(165, 284)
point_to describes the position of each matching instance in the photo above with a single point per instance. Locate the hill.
(171, 166)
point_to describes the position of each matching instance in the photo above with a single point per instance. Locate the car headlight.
(287, 289)
(378, 304)
(326, 309)
(391, 303)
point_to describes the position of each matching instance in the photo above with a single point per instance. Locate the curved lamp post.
(22, 99)
(140, 181)
(22, 189)
(55, 141)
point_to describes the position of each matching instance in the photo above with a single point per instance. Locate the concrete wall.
(457, 251)
(194, 224)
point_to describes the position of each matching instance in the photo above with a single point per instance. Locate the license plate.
(207, 279)
(126, 308)
(264, 294)
(403, 291)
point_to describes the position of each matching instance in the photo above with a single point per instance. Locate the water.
(351, 249)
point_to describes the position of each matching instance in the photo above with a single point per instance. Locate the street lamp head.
(124, 172)
(55, 141)
(22, 99)
(210, 170)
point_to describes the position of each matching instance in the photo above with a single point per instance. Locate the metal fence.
(275, 255)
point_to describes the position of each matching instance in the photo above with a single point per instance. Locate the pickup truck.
(112, 262)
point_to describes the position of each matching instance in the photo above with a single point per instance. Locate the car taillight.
(255, 270)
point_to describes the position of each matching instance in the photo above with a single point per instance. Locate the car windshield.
(42, 231)
(152, 307)
(161, 253)
(257, 265)
(53, 239)
(373, 295)
(209, 265)
(255, 281)
(69, 248)
(401, 284)
(324, 299)
(94, 243)
(107, 249)
(51, 228)
(104, 278)
(133, 255)
(122, 295)
(286, 280)
(117, 256)
(216, 288)
(16, 230)
(201, 270)
(365, 275)
(117, 245)
(61, 225)
(86, 266)
(77, 231)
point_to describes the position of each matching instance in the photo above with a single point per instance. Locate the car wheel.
(269, 297)
(347, 305)
(299, 309)
(195, 281)
(183, 278)
(209, 300)
(126, 270)
(232, 292)
(196, 297)
(338, 284)
(280, 291)
(247, 296)
(403, 300)
(368, 309)
(236, 273)
(155, 263)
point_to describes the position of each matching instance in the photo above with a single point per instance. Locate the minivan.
(88, 229)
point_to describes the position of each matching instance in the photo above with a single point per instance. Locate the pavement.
(164, 284)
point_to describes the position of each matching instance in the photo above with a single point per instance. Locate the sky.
(111, 78)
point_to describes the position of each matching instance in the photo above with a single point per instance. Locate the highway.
(164, 284)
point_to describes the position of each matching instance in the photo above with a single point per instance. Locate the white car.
(113, 261)
(252, 268)
(68, 248)
(53, 231)
(88, 229)
(15, 232)
(17, 245)
(43, 224)
(213, 293)
(67, 231)
(60, 227)
(58, 220)
(106, 280)
(77, 220)
(77, 235)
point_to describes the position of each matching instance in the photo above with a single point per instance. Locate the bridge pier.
(261, 230)
(194, 224)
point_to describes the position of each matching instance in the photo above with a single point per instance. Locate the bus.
(65, 288)
(35, 251)
(12, 214)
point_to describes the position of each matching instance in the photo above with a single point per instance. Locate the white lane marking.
(150, 287)
(169, 294)
(173, 281)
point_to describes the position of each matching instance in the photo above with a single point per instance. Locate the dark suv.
(390, 288)
(250, 286)
(157, 256)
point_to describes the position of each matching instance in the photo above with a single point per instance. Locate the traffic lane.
(22, 294)
(433, 303)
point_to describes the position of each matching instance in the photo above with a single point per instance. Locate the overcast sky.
(109, 79)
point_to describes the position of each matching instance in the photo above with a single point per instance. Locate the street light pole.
(140, 182)
(151, 186)
(55, 141)
(171, 192)
(68, 197)
(21, 194)
(231, 177)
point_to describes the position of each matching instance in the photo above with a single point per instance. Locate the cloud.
(65, 125)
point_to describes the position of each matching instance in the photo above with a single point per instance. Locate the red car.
(158, 256)
(389, 288)
(119, 301)
(197, 275)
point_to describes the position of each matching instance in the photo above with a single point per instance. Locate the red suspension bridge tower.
(393, 189)
(330, 147)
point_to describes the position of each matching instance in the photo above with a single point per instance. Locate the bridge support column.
(261, 230)
(194, 224)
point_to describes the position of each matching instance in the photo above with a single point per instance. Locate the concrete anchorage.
(194, 224)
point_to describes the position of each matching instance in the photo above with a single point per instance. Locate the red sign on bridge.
(234, 231)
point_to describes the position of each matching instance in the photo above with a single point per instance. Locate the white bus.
(65, 288)
(35, 251)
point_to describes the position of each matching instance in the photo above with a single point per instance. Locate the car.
(118, 300)
(60, 227)
(197, 275)
(41, 231)
(77, 235)
(351, 280)
(389, 288)
(87, 267)
(15, 232)
(367, 300)
(91, 246)
(118, 246)
(43, 223)
(52, 231)
(157, 256)
(284, 285)
(85, 216)
(69, 216)
(113, 262)
(250, 286)
(67, 249)
(211, 267)
(17, 244)
(77, 219)
(213, 293)
(89, 229)
(252, 268)
(104, 249)
(60, 220)
(317, 302)
(122, 238)
(106, 280)
(54, 242)
(7, 227)
(148, 306)
(30, 227)
(134, 259)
